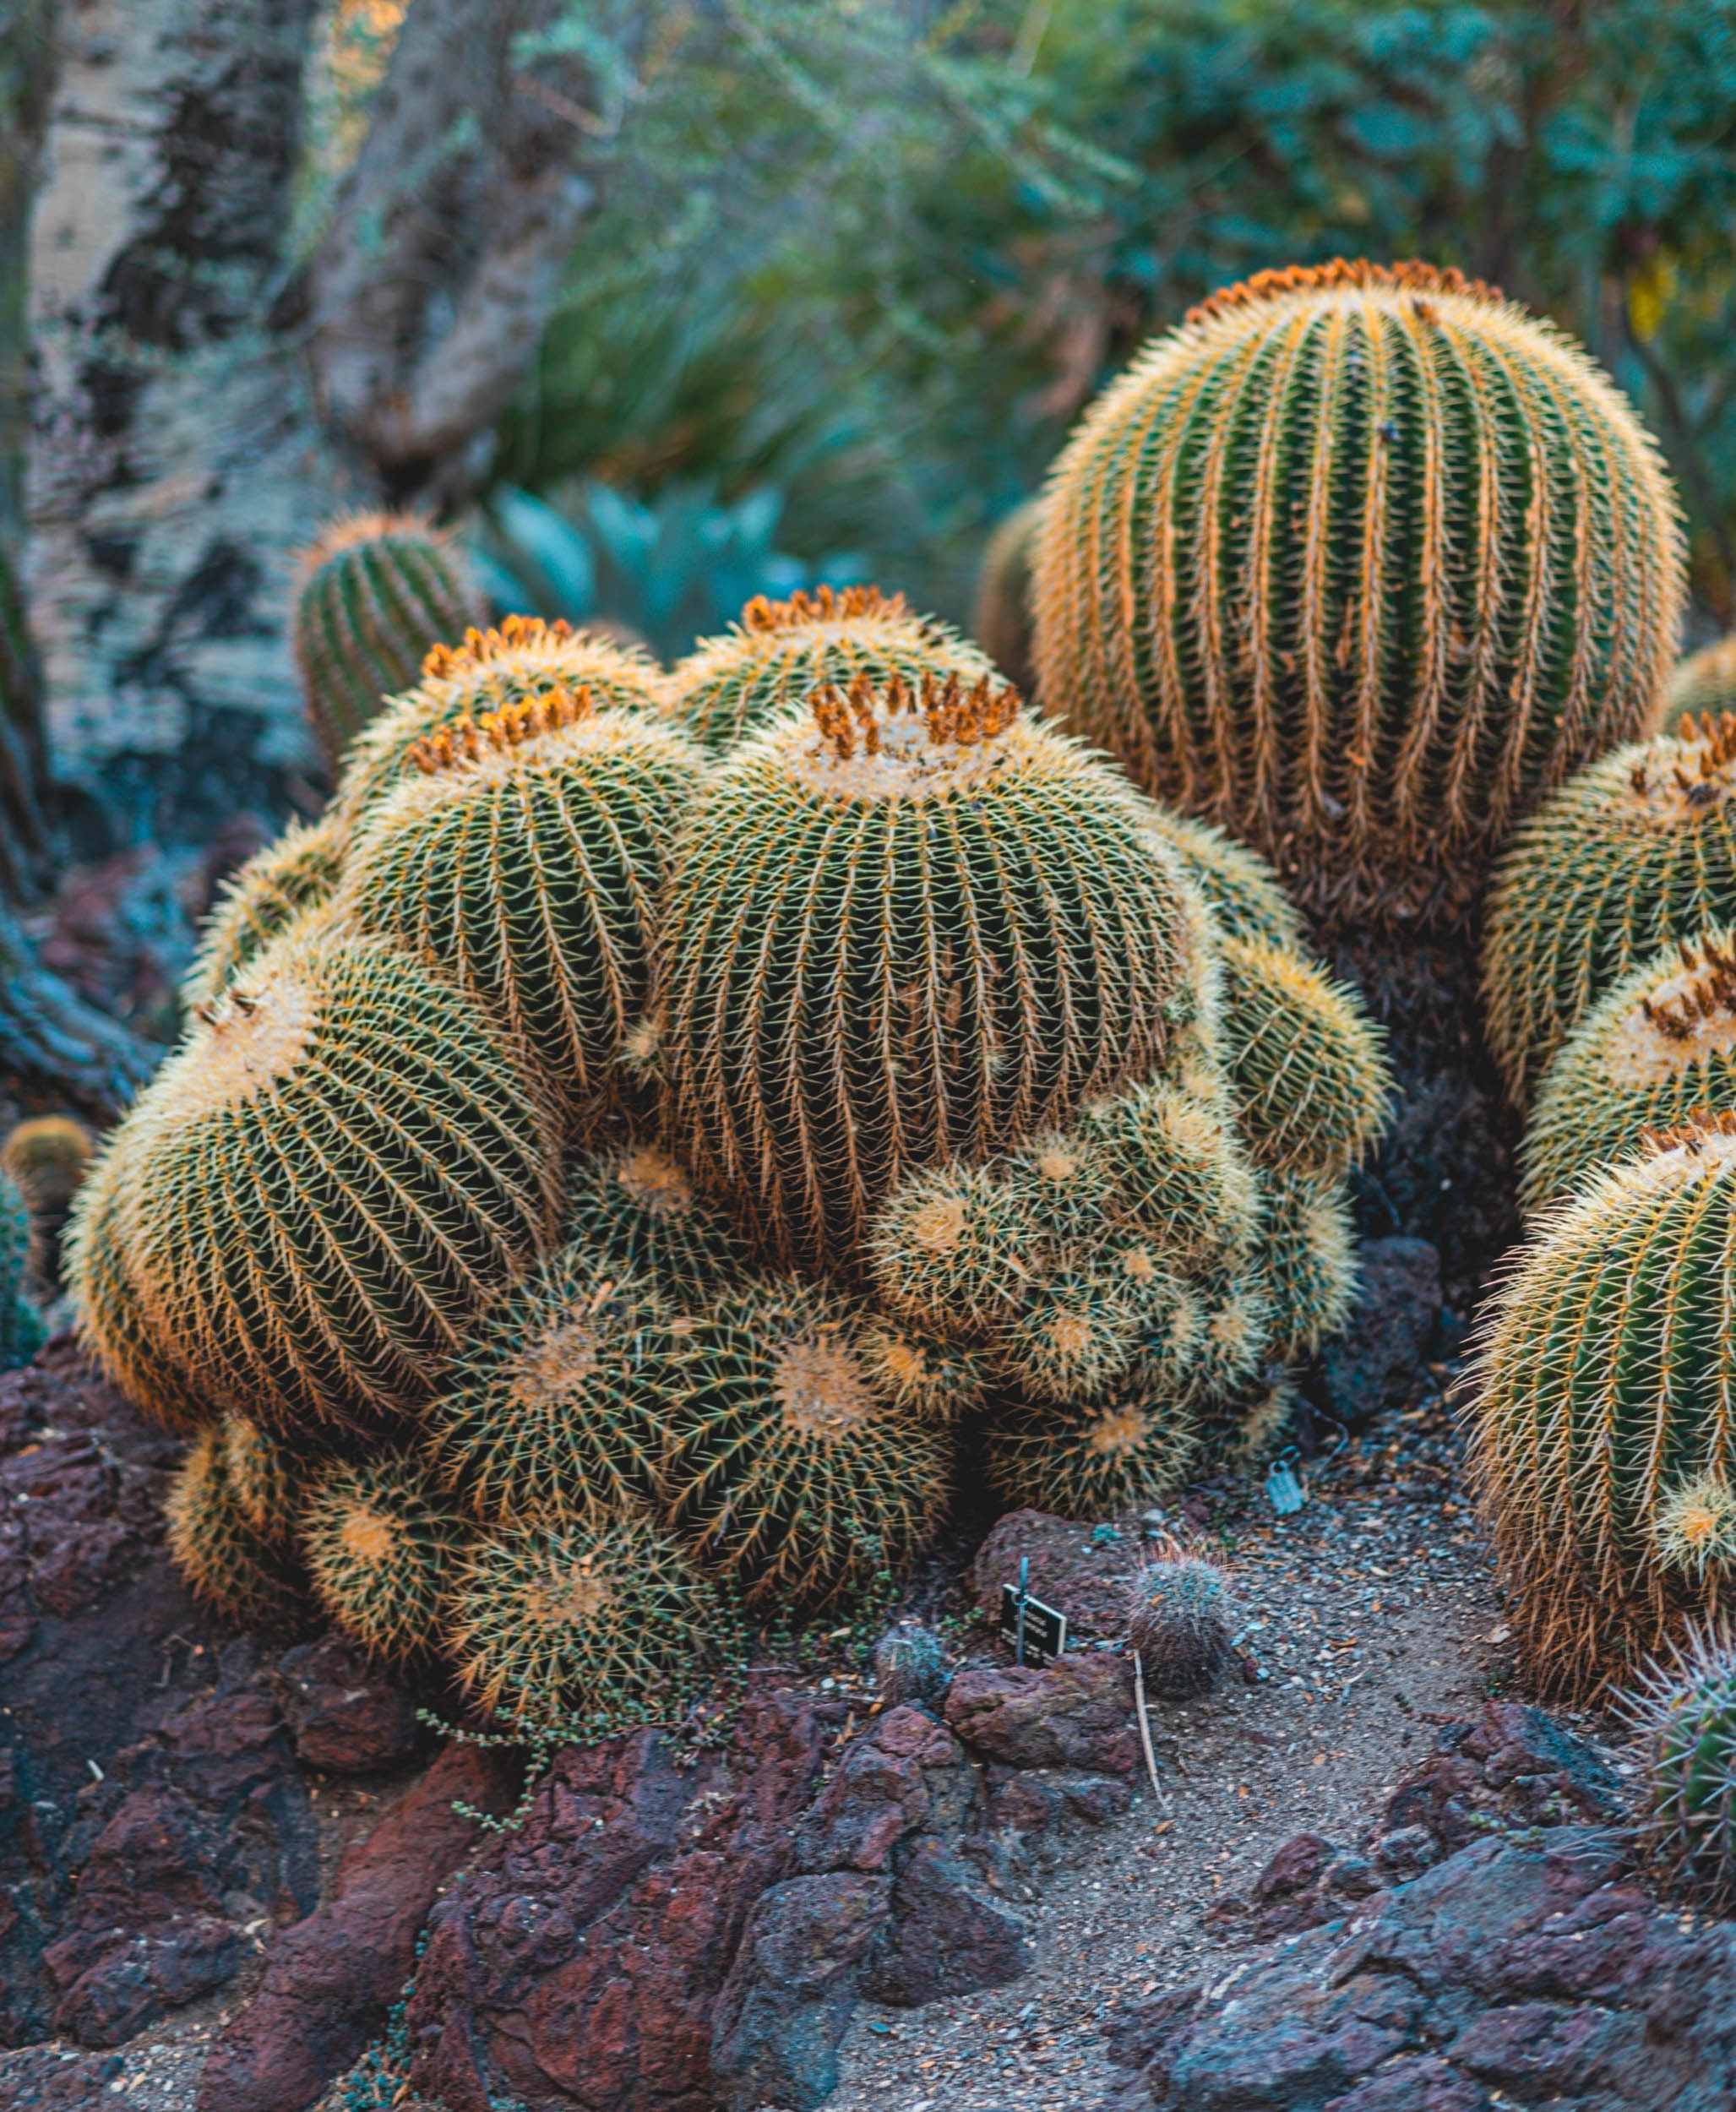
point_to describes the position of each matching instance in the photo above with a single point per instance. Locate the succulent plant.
(604, 1620)
(1130, 1446)
(782, 652)
(376, 591)
(953, 1247)
(1000, 615)
(383, 1544)
(937, 1378)
(261, 900)
(910, 1664)
(1074, 1330)
(267, 1478)
(551, 1413)
(1232, 1347)
(1178, 1615)
(492, 670)
(1063, 1181)
(1356, 563)
(48, 1157)
(1703, 686)
(1308, 1079)
(1244, 894)
(1636, 850)
(21, 1332)
(1605, 1375)
(1657, 1048)
(786, 1469)
(634, 1206)
(1307, 1255)
(1178, 1170)
(339, 1167)
(911, 924)
(1685, 1707)
(525, 853)
(225, 1564)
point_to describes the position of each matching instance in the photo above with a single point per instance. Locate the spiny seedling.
(937, 1378)
(1636, 852)
(1685, 1707)
(1180, 1616)
(1130, 1447)
(552, 1625)
(953, 1249)
(634, 1206)
(787, 1470)
(227, 1565)
(1658, 1047)
(910, 924)
(910, 1664)
(261, 901)
(383, 1544)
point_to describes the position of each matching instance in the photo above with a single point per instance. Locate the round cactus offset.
(383, 1545)
(782, 652)
(937, 1378)
(1685, 1708)
(912, 924)
(1076, 1329)
(786, 1469)
(1238, 888)
(953, 1249)
(227, 1566)
(524, 851)
(1659, 1047)
(376, 591)
(1178, 1170)
(1131, 1446)
(1307, 1255)
(1607, 1405)
(299, 872)
(1356, 563)
(48, 1157)
(1702, 686)
(633, 1207)
(1636, 852)
(1178, 1616)
(267, 1477)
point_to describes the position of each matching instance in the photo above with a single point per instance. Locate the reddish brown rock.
(345, 1716)
(1072, 1568)
(1075, 1713)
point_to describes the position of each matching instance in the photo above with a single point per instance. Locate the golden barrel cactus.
(261, 901)
(1357, 563)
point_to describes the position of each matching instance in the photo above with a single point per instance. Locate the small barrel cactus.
(1233, 1344)
(782, 652)
(1062, 1180)
(1179, 1171)
(1075, 1328)
(1605, 1371)
(48, 1157)
(937, 1378)
(1179, 1619)
(299, 872)
(910, 1664)
(1357, 563)
(606, 1621)
(524, 853)
(1130, 1446)
(1636, 850)
(1657, 1049)
(1238, 888)
(227, 1566)
(1307, 1255)
(1703, 686)
(550, 1412)
(786, 1469)
(1000, 612)
(376, 591)
(267, 1477)
(910, 923)
(383, 1544)
(953, 1247)
(1685, 1707)
(632, 1207)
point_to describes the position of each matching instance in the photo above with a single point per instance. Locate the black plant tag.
(1045, 1629)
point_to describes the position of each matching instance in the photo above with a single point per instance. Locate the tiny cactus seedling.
(267, 1477)
(258, 903)
(227, 1565)
(1307, 1255)
(551, 1626)
(1658, 1047)
(1294, 565)
(1241, 891)
(633, 1207)
(1131, 1446)
(787, 1469)
(1636, 852)
(954, 1249)
(937, 1378)
(1703, 686)
(1685, 1707)
(1178, 1170)
(551, 1413)
(782, 652)
(383, 1545)
(1178, 1620)
(376, 591)
(910, 1664)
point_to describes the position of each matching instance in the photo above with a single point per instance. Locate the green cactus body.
(1308, 1257)
(1606, 1378)
(935, 1378)
(525, 854)
(491, 671)
(1355, 563)
(377, 590)
(632, 1207)
(1196, 1061)
(1074, 1330)
(782, 652)
(383, 1546)
(1636, 852)
(21, 1332)
(267, 1478)
(326, 1183)
(225, 1564)
(785, 1469)
(551, 1411)
(1684, 1708)
(953, 1249)
(1238, 888)
(1179, 1171)
(1000, 615)
(907, 928)
(1178, 1615)
(910, 1664)
(1129, 1447)
(1063, 1181)
(1234, 1342)
(299, 872)
(607, 1621)
(1659, 1047)
(1703, 686)
(1308, 1079)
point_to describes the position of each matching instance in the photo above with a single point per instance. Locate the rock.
(951, 1930)
(1509, 1973)
(330, 1979)
(1071, 1569)
(1379, 1360)
(1077, 1712)
(344, 1716)
(1031, 1802)
(1295, 1867)
(50, 2078)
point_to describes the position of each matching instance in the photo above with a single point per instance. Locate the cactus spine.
(912, 925)
(1685, 1709)
(376, 591)
(1356, 563)
(383, 1547)
(1703, 686)
(1178, 1613)
(225, 1564)
(299, 871)
(1636, 850)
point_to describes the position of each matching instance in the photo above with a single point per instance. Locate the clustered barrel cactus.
(1685, 1707)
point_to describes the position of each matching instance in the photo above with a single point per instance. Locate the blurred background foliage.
(861, 262)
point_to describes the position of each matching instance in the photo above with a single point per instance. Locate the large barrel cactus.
(910, 923)
(1357, 562)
